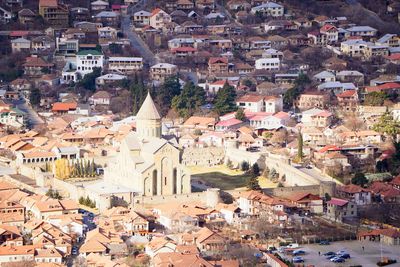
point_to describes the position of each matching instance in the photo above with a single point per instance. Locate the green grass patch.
(222, 180)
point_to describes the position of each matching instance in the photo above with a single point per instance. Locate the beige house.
(20, 44)
(159, 18)
(311, 100)
(340, 209)
(161, 71)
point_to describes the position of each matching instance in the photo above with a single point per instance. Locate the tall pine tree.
(189, 100)
(224, 101)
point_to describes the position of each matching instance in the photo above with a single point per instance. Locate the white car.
(293, 245)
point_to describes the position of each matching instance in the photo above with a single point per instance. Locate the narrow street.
(32, 117)
(136, 40)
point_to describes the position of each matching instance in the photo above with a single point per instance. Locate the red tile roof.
(229, 122)
(382, 87)
(328, 27)
(183, 49)
(48, 3)
(251, 98)
(60, 106)
(351, 189)
(393, 57)
(338, 202)
(347, 93)
(214, 60)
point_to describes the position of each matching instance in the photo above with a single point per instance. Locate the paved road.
(33, 117)
(135, 39)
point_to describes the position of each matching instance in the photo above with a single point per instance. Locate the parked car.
(337, 259)
(298, 259)
(324, 242)
(331, 257)
(74, 251)
(344, 255)
(298, 252)
(330, 253)
(293, 245)
(282, 249)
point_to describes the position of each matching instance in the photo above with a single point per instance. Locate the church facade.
(147, 163)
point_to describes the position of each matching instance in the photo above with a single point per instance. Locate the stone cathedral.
(147, 163)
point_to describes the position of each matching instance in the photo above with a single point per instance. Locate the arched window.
(154, 182)
(174, 181)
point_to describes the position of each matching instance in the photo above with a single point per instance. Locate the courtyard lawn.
(219, 168)
(222, 180)
(266, 183)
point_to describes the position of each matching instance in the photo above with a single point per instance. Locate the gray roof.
(107, 14)
(361, 29)
(385, 38)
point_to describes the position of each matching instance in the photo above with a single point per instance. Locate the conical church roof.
(148, 110)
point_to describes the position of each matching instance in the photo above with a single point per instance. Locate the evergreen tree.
(189, 100)
(138, 92)
(86, 168)
(82, 174)
(89, 81)
(87, 201)
(359, 179)
(93, 169)
(255, 170)
(300, 147)
(253, 183)
(167, 92)
(299, 85)
(224, 101)
(240, 115)
(244, 166)
(35, 97)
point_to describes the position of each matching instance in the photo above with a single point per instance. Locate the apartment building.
(54, 12)
(125, 65)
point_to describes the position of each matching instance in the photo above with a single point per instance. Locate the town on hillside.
(199, 133)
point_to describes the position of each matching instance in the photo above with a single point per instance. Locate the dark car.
(330, 253)
(344, 255)
(298, 252)
(324, 243)
(298, 260)
(331, 257)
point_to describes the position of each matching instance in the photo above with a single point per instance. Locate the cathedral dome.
(148, 110)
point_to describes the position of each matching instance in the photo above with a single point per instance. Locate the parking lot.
(369, 257)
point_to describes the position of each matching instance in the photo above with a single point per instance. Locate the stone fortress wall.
(205, 156)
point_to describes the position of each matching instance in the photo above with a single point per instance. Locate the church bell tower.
(148, 120)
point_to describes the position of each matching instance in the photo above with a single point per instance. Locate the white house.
(253, 103)
(100, 98)
(87, 60)
(270, 9)
(273, 104)
(268, 64)
(363, 31)
(20, 44)
(324, 76)
(142, 17)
